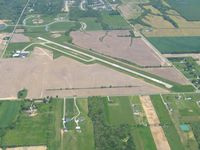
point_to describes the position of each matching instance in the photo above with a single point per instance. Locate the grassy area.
(167, 124)
(9, 111)
(108, 136)
(91, 23)
(173, 45)
(85, 138)
(141, 133)
(15, 46)
(61, 26)
(184, 110)
(189, 9)
(119, 111)
(70, 112)
(42, 129)
(189, 67)
(114, 22)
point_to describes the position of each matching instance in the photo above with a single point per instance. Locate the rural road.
(15, 27)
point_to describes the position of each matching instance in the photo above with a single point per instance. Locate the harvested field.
(18, 38)
(156, 130)
(29, 148)
(156, 21)
(118, 44)
(129, 10)
(41, 72)
(19, 30)
(169, 73)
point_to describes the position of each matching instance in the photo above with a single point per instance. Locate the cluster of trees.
(75, 13)
(49, 7)
(157, 4)
(108, 137)
(139, 20)
(11, 9)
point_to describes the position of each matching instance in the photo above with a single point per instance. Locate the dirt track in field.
(29, 148)
(41, 72)
(118, 44)
(153, 120)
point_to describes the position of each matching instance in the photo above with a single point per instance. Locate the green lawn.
(189, 9)
(9, 111)
(188, 44)
(92, 23)
(167, 124)
(74, 140)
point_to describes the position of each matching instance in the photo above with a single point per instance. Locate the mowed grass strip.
(171, 45)
(9, 111)
(119, 111)
(167, 124)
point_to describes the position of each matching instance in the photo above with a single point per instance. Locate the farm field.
(9, 112)
(41, 64)
(170, 45)
(166, 123)
(169, 73)
(118, 44)
(114, 22)
(187, 8)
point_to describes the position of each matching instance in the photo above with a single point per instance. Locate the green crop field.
(189, 9)
(167, 124)
(9, 112)
(114, 21)
(171, 45)
(119, 111)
